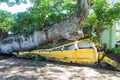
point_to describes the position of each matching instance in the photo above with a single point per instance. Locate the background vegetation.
(104, 16)
(43, 13)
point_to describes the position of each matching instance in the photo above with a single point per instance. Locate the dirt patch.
(22, 69)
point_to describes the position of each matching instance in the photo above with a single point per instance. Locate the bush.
(117, 50)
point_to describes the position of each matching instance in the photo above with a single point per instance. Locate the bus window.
(82, 45)
(70, 47)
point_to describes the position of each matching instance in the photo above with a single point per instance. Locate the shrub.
(117, 50)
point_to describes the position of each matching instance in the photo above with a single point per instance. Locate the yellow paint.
(108, 60)
(81, 56)
(75, 52)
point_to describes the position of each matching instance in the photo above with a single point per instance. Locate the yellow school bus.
(80, 52)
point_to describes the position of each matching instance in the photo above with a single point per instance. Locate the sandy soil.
(22, 69)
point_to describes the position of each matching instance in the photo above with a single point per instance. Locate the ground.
(24, 69)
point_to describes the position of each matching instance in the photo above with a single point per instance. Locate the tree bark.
(69, 29)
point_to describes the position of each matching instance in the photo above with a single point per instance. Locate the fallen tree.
(69, 29)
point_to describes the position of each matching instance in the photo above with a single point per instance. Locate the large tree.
(69, 29)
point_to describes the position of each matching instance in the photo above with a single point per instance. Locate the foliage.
(5, 20)
(117, 50)
(50, 12)
(43, 13)
(103, 17)
(23, 23)
(13, 2)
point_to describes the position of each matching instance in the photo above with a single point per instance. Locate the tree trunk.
(68, 29)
